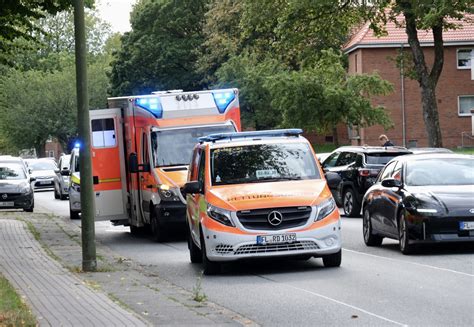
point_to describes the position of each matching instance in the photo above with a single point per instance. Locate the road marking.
(336, 301)
(413, 263)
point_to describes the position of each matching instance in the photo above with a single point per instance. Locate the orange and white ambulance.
(141, 149)
(259, 194)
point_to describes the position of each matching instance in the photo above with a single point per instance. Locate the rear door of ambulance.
(108, 164)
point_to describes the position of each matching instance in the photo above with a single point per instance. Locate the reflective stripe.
(109, 180)
(75, 179)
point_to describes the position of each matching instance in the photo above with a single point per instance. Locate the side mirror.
(65, 172)
(32, 179)
(133, 165)
(391, 182)
(56, 171)
(192, 187)
(333, 179)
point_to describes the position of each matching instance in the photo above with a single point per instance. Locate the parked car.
(421, 198)
(259, 194)
(322, 156)
(429, 150)
(74, 185)
(43, 171)
(351, 170)
(16, 191)
(61, 179)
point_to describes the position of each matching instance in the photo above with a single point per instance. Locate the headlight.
(426, 204)
(168, 194)
(66, 179)
(220, 215)
(25, 188)
(76, 187)
(325, 208)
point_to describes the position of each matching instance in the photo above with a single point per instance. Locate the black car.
(421, 198)
(16, 191)
(351, 170)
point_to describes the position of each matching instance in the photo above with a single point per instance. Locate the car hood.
(455, 199)
(12, 186)
(43, 173)
(270, 194)
(172, 176)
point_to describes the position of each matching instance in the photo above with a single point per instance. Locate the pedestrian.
(384, 141)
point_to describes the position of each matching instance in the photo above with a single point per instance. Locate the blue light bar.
(223, 99)
(77, 145)
(253, 134)
(152, 105)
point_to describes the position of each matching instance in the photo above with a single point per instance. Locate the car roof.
(425, 156)
(373, 149)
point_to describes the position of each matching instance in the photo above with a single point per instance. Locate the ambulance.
(141, 149)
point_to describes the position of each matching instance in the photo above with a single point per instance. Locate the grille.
(258, 218)
(224, 249)
(10, 196)
(269, 248)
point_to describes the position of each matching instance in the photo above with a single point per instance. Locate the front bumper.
(172, 212)
(438, 229)
(43, 183)
(224, 246)
(17, 201)
(74, 200)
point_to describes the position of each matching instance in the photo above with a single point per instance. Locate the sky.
(116, 13)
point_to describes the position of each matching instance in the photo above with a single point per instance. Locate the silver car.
(16, 191)
(61, 179)
(43, 170)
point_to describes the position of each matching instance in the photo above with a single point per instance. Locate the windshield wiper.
(273, 179)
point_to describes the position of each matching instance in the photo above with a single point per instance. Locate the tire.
(195, 254)
(210, 267)
(136, 231)
(370, 238)
(403, 239)
(63, 196)
(56, 194)
(28, 209)
(350, 204)
(158, 231)
(73, 214)
(333, 260)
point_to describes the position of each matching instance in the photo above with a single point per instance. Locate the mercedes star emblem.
(275, 218)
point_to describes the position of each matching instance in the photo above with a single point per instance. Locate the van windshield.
(262, 163)
(174, 147)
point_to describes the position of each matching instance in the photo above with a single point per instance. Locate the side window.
(397, 171)
(195, 165)
(103, 133)
(359, 161)
(331, 160)
(387, 172)
(346, 158)
(202, 168)
(145, 156)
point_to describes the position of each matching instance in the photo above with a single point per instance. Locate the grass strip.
(13, 311)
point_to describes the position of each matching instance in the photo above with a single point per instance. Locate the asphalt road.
(373, 286)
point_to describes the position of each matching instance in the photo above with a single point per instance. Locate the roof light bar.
(223, 98)
(152, 105)
(253, 134)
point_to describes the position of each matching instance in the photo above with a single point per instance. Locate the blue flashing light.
(77, 145)
(295, 132)
(152, 105)
(223, 99)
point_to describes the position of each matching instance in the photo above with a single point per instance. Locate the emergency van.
(259, 194)
(141, 149)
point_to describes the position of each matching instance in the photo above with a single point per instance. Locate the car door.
(377, 202)
(197, 170)
(389, 201)
(328, 166)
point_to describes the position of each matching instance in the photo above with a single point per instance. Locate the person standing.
(384, 141)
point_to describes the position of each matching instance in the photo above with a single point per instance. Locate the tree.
(161, 50)
(435, 16)
(318, 98)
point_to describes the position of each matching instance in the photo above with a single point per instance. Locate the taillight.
(363, 172)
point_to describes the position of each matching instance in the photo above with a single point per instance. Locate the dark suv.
(351, 170)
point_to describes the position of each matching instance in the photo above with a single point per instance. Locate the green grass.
(464, 150)
(13, 312)
(322, 148)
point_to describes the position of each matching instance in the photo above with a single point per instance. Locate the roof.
(426, 156)
(396, 36)
(251, 134)
(373, 149)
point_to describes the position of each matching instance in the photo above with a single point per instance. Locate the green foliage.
(161, 50)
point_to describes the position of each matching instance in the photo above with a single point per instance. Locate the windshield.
(381, 158)
(454, 171)
(174, 147)
(11, 171)
(262, 163)
(42, 165)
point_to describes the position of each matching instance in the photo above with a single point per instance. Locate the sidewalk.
(121, 293)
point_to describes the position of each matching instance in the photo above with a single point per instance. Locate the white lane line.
(410, 262)
(336, 301)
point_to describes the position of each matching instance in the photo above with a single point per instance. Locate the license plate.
(7, 204)
(466, 225)
(45, 182)
(277, 238)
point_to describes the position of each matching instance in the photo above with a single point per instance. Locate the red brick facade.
(453, 83)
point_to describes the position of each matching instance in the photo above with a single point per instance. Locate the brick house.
(455, 90)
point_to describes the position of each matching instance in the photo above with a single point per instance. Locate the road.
(374, 286)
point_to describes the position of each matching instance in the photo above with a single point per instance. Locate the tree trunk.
(426, 80)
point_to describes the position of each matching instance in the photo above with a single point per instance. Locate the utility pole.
(89, 260)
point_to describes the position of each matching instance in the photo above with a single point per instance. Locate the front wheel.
(403, 240)
(350, 204)
(157, 229)
(333, 260)
(210, 267)
(56, 194)
(73, 214)
(369, 238)
(195, 254)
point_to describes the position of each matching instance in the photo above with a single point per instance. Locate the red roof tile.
(365, 37)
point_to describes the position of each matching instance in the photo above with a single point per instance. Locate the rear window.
(380, 158)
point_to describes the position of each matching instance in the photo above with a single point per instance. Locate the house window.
(464, 58)
(465, 104)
